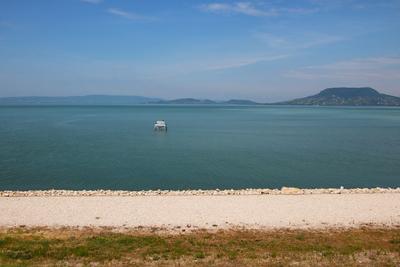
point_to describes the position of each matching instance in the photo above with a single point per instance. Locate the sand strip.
(250, 211)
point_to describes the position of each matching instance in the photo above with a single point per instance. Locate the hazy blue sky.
(262, 50)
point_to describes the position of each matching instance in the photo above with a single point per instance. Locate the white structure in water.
(160, 126)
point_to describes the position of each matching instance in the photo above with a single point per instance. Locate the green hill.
(347, 96)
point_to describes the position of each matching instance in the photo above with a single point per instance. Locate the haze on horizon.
(265, 51)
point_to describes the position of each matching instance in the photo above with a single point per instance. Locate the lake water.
(115, 147)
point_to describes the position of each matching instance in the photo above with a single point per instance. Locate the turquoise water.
(115, 147)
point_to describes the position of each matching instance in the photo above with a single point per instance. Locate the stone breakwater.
(215, 192)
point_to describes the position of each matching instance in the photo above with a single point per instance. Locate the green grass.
(357, 247)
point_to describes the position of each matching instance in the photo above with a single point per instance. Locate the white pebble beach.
(286, 208)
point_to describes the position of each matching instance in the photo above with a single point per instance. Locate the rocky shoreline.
(215, 192)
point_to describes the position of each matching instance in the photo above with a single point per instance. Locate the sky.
(268, 51)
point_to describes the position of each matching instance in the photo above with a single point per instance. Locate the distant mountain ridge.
(77, 100)
(338, 96)
(112, 100)
(347, 96)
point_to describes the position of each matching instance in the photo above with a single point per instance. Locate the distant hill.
(347, 96)
(188, 101)
(77, 100)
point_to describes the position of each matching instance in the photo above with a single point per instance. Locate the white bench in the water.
(160, 125)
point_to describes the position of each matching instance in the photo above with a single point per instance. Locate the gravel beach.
(287, 209)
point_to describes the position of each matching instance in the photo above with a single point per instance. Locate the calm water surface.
(115, 147)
